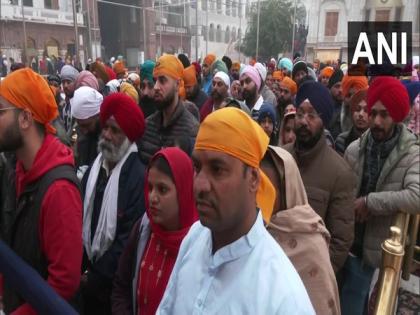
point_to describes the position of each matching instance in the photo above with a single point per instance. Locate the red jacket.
(60, 224)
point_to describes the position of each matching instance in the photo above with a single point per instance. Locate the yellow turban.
(236, 66)
(129, 90)
(171, 66)
(247, 142)
(210, 58)
(27, 90)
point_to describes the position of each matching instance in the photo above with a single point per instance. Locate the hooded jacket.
(60, 219)
(303, 236)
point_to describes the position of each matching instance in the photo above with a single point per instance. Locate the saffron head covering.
(171, 66)
(247, 142)
(353, 81)
(27, 90)
(327, 72)
(357, 98)
(129, 89)
(190, 77)
(119, 67)
(290, 84)
(392, 95)
(236, 66)
(278, 75)
(126, 112)
(209, 59)
(99, 70)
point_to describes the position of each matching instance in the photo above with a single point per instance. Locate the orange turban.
(247, 142)
(171, 66)
(277, 75)
(236, 66)
(327, 72)
(290, 84)
(119, 67)
(357, 82)
(190, 78)
(210, 58)
(27, 90)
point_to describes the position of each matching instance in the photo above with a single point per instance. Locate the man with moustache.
(113, 199)
(334, 85)
(327, 178)
(251, 84)
(386, 161)
(360, 119)
(147, 91)
(286, 95)
(228, 263)
(192, 88)
(220, 90)
(172, 121)
(42, 222)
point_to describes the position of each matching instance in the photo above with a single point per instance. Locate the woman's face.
(289, 135)
(267, 125)
(163, 200)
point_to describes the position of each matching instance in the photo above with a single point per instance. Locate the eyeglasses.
(310, 116)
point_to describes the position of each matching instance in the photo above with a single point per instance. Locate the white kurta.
(250, 276)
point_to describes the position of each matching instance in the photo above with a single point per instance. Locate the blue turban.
(267, 110)
(286, 63)
(320, 99)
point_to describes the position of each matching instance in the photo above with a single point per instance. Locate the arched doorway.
(52, 47)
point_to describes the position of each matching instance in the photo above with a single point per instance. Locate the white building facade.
(327, 23)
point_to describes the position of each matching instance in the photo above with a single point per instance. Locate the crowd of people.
(208, 187)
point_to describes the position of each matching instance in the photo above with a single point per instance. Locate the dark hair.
(161, 164)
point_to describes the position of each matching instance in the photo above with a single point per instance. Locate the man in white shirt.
(228, 263)
(251, 85)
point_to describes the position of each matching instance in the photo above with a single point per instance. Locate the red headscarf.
(163, 246)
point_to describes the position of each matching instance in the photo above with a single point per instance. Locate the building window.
(219, 34)
(28, 3)
(219, 6)
(382, 15)
(204, 4)
(367, 15)
(211, 33)
(228, 7)
(331, 23)
(227, 35)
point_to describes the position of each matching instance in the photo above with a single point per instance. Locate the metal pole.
(196, 30)
(76, 33)
(145, 48)
(89, 30)
(258, 29)
(160, 28)
(293, 35)
(240, 26)
(25, 38)
(207, 27)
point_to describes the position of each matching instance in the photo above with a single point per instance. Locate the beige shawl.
(303, 236)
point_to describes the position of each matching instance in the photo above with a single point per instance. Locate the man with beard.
(360, 119)
(220, 90)
(171, 121)
(251, 84)
(325, 75)
(68, 77)
(300, 70)
(147, 91)
(113, 199)
(236, 90)
(85, 106)
(386, 161)
(266, 93)
(207, 74)
(327, 178)
(228, 263)
(234, 71)
(286, 95)
(192, 89)
(46, 208)
(334, 85)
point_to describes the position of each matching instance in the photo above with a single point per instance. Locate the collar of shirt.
(239, 248)
(258, 103)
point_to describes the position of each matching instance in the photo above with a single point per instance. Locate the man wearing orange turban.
(277, 76)
(171, 121)
(350, 85)
(47, 231)
(234, 71)
(325, 75)
(234, 198)
(207, 76)
(119, 69)
(286, 94)
(192, 89)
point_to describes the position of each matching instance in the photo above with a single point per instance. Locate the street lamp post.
(25, 38)
(293, 35)
(258, 29)
(76, 33)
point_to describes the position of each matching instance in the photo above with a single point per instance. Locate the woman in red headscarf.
(147, 261)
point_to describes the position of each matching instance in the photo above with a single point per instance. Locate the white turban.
(85, 103)
(224, 77)
(262, 70)
(113, 86)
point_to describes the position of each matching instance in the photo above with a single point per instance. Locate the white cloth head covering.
(224, 77)
(85, 103)
(113, 86)
(133, 77)
(262, 70)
